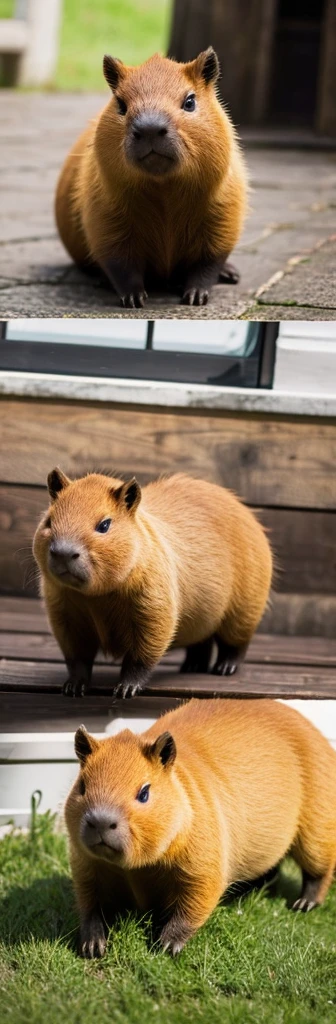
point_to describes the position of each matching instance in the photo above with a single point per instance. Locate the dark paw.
(93, 939)
(135, 300)
(174, 936)
(225, 668)
(75, 687)
(228, 659)
(304, 905)
(195, 297)
(229, 274)
(127, 690)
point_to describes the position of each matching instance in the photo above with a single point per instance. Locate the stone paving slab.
(310, 281)
(293, 204)
(69, 300)
(275, 313)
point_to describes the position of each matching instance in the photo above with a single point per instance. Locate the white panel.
(19, 781)
(306, 358)
(306, 329)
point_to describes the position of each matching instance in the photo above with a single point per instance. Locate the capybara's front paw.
(93, 938)
(195, 297)
(127, 690)
(135, 300)
(133, 677)
(305, 905)
(75, 687)
(174, 935)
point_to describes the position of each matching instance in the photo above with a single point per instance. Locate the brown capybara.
(156, 184)
(214, 793)
(180, 563)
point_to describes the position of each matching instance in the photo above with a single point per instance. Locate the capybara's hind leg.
(228, 658)
(229, 274)
(198, 657)
(314, 890)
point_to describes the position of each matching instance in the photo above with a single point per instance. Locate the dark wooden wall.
(245, 35)
(284, 468)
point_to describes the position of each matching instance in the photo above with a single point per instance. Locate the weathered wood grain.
(23, 615)
(251, 681)
(297, 615)
(51, 712)
(267, 461)
(304, 543)
(264, 649)
(303, 615)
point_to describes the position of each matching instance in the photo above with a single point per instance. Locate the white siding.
(306, 358)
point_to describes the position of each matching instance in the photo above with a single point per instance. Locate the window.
(217, 352)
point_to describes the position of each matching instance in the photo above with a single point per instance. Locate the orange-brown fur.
(251, 781)
(186, 562)
(108, 209)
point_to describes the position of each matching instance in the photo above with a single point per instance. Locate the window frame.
(254, 370)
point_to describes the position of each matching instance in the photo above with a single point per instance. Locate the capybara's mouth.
(157, 163)
(70, 578)
(104, 851)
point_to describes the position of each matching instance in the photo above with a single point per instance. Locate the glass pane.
(216, 337)
(112, 333)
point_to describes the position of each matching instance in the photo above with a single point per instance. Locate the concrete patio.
(287, 256)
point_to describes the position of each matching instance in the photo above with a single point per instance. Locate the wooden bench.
(29, 42)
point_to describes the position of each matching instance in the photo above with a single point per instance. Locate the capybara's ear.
(206, 65)
(163, 749)
(128, 494)
(57, 481)
(114, 70)
(84, 744)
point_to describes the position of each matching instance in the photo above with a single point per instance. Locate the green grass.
(253, 962)
(129, 29)
(6, 8)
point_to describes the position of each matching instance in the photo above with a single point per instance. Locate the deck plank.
(31, 663)
(264, 648)
(51, 712)
(251, 681)
(23, 615)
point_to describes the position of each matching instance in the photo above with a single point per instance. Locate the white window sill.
(164, 394)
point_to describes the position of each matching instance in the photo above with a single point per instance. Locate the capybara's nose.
(149, 126)
(63, 554)
(101, 821)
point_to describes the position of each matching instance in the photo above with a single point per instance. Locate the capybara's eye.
(81, 786)
(103, 526)
(122, 106)
(190, 102)
(143, 794)
(47, 524)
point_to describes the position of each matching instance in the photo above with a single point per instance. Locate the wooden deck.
(32, 673)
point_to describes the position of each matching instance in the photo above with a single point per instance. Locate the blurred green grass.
(129, 29)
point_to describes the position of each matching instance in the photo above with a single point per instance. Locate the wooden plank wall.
(284, 468)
